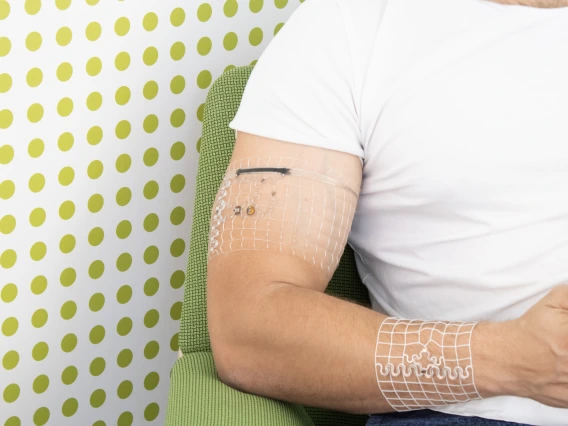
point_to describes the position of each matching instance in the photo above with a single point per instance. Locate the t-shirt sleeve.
(301, 88)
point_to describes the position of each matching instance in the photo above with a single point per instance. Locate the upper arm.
(295, 234)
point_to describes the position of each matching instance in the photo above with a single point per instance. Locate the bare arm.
(274, 332)
(535, 3)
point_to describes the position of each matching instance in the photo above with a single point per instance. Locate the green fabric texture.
(197, 397)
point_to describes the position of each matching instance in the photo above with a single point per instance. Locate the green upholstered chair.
(197, 397)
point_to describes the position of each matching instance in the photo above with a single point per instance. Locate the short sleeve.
(301, 88)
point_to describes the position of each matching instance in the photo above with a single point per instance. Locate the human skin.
(535, 3)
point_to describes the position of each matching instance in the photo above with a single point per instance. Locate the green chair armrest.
(198, 398)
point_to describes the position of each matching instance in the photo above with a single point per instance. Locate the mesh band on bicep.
(285, 205)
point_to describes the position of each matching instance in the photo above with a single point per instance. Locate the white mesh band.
(420, 364)
(285, 205)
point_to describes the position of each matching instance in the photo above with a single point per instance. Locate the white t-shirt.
(459, 111)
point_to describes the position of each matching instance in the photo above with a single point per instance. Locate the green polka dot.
(9, 293)
(66, 210)
(255, 36)
(124, 262)
(230, 41)
(36, 183)
(65, 141)
(6, 118)
(277, 28)
(41, 416)
(256, 5)
(94, 135)
(177, 279)
(122, 26)
(123, 229)
(151, 157)
(68, 277)
(40, 384)
(97, 366)
(33, 41)
(151, 222)
(175, 311)
(36, 148)
(151, 349)
(150, 21)
(62, 4)
(177, 151)
(174, 343)
(96, 302)
(204, 79)
(123, 129)
(38, 285)
(93, 31)
(68, 310)
(151, 255)
(8, 259)
(35, 113)
(69, 342)
(34, 79)
(151, 123)
(94, 101)
(38, 251)
(177, 216)
(65, 107)
(5, 82)
(124, 326)
(7, 189)
(151, 318)
(7, 224)
(177, 17)
(124, 358)
(64, 71)
(9, 326)
(10, 360)
(124, 294)
(5, 46)
(39, 318)
(4, 12)
(150, 56)
(94, 66)
(6, 154)
(151, 190)
(151, 286)
(95, 169)
(32, 6)
(177, 118)
(98, 398)
(123, 163)
(150, 90)
(97, 334)
(177, 51)
(200, 111)
(122, 61)
(151, 381)
(230, 8)
(63, 36)
(151, 411)
(204, 46)
(69, 375)
(40, 351)
(123, 196)
(177, 184)
(92, 2)
(67, 244)
(125, 419)
(96, 236)
(177, 84)
(122, 95)
(124, 389)
(95, 203)
(69, 407)
(204, 12)
(11, 393)
(66, 176)
(96, 269)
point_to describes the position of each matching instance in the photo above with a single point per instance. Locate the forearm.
(535, 3)
(310, 348)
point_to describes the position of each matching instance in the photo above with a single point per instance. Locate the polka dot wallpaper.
(101, 103)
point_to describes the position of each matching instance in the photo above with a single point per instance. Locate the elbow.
(228, 370)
